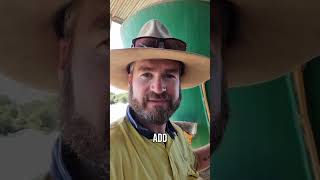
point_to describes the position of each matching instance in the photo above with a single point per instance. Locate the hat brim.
(29, 46)
(272, 38)
(197, 67)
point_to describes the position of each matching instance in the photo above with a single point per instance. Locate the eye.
(170, 76)
(146, 76)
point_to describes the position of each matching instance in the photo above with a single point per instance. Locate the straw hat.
(272, 37)
(29, 47)
(196, 67)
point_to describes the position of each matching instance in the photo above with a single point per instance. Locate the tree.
(8, 115)
(40, 115)
(118, 98)
(4, 100)
(112, 98)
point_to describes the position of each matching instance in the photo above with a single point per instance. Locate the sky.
(115, 38)
(117, 110)
(115, 43)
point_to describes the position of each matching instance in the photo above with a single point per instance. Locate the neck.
(155, 128)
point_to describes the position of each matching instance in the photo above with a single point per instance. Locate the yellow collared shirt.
(134, 157)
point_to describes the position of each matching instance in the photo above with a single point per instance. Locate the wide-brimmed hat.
(29, 46)
(271, 38)
(196, 67)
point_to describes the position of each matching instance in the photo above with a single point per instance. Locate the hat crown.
(154, 28)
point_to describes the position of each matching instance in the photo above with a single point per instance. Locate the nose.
(158, 86)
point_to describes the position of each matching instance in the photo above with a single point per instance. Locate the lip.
(157, 101)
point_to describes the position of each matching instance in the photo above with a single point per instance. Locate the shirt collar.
(146, 132)
(58, 169)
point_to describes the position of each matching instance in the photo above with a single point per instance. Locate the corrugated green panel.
(312, 87)
(188, 20)
(263, 140)
(192, 110)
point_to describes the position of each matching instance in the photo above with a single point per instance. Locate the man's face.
(89, 61)
(85, 85)
(154, 89)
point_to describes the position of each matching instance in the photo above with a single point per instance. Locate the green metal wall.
(188, 20)
(263, 140)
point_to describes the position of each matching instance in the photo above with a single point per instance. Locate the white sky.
(115, 43)
(115, 38)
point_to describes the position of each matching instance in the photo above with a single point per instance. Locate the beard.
(86, 141)
(158, 115)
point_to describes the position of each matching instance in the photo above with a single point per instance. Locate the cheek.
(173, 89)
(90, 86)
(139, 89)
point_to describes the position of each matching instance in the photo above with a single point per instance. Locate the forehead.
(157, 64)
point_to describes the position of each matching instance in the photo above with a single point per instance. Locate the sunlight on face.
(155, 89)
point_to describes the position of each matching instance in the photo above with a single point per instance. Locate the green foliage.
(118, 98)
(112, 98)
(40, 115)
(4, 100)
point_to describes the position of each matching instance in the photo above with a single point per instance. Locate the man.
(72, 64)
(154, 70)
(81, 151)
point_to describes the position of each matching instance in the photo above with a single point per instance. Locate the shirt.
(134, 156)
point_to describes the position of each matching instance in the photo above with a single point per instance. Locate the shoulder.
(118, 148)
(117, 130)
(116, 124)
(180, 132)
(182, 140)
(185, 146)
(119, 136)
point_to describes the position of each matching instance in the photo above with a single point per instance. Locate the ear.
(64, 56)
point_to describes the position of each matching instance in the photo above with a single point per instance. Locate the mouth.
(158, 101)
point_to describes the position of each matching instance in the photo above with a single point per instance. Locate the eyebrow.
(172, 70)
(145, 68)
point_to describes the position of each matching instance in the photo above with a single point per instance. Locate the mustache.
(163, 96)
